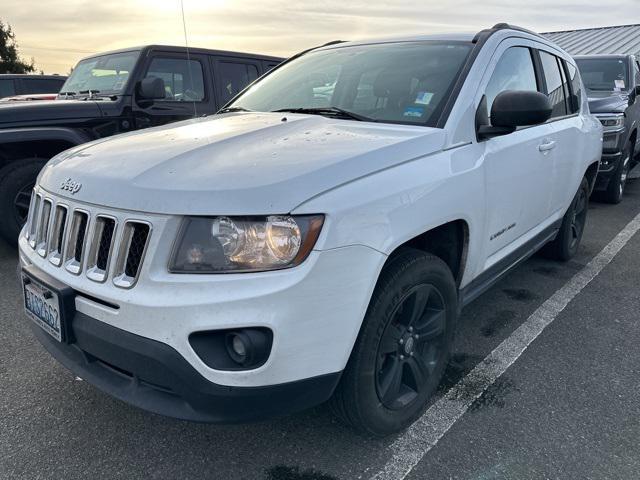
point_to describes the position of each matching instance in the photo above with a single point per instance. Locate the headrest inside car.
(391, 83)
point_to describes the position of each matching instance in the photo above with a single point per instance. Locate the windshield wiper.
(234, 109)
(67, 93)
(335, 111)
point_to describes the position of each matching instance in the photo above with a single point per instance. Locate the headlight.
(613, 122)
(244, 244)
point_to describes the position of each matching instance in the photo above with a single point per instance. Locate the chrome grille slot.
(33, 226)
(133, 246)
(75, 242)
(42, 232)
(101, 248)
(56, 240)
(29, 223)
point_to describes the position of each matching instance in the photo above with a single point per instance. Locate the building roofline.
(593, 28)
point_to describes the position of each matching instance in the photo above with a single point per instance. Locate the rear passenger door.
(518, 177)
(565, 139)
(232, 75)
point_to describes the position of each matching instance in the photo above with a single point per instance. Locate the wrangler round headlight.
(244, 244)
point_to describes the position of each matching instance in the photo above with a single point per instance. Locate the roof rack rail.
(503, 26)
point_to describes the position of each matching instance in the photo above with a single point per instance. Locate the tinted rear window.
(42, 85)
(7, 88)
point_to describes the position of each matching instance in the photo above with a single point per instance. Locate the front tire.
(615, 190)
(566, 243)
(16, 183)
(403, 346)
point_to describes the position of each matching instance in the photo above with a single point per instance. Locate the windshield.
(604, 74)
(105, 74)
(392, 82)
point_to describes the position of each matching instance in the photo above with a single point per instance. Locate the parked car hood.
(47, 110)
(234, 164)
(608, 102)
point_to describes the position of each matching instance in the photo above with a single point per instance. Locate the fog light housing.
(237, 349)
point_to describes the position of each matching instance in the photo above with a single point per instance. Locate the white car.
(282, 253)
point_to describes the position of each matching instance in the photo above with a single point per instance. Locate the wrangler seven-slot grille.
(100, 245)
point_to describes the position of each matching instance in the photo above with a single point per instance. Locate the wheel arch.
(44, 143)
(590, 174)
(448, 241)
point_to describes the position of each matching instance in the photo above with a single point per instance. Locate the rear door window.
(7, 88)
(556, 84)
(233, 77)
(576, 88)
(183, 79)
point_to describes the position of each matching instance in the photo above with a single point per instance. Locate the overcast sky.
(59, 32)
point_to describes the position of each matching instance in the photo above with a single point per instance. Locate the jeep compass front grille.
(81, 240)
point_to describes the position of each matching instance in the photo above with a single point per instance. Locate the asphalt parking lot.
(566, 408)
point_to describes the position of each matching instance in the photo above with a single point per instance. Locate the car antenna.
(186, 44)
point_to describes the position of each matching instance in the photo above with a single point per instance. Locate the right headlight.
(612, 122)
(244, 244)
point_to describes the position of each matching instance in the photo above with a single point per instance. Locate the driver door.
(518, 168)
(187, 89)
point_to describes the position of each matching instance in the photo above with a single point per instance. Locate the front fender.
(17, 135)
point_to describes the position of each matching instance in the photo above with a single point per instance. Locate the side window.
(514, 71)
(41, 85)
(636, 72)
(7, 88)
(234, 77)
(576, 88)
(555, 85)
(183, 80)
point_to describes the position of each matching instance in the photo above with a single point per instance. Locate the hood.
(608, 102)
(234, 164)
(47, 110)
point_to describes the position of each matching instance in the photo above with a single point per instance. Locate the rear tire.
(567, 242)
(16, 183)
(403, 346)
(615, 190)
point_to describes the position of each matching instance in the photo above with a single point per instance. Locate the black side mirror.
(515, 108)
(151, 88)
(637, 90)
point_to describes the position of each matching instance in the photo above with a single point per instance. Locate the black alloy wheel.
(578, 218)
(411, 347)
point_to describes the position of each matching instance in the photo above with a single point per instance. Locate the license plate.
(42, 305)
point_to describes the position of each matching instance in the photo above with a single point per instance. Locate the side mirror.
(637, 89)
(516, 108)
(151, 88)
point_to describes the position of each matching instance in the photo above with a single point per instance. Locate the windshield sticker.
(424, 98)
(620, 84)
(413, 112)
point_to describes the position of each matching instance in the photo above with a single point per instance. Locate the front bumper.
(153, 376)
(611, 157)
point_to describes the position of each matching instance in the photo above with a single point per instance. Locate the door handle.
(548, 145)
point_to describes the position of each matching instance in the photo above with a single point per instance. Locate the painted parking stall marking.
(424, 434)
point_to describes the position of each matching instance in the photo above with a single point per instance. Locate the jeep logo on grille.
(71, 186)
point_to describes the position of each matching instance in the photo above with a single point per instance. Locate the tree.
(10, 61)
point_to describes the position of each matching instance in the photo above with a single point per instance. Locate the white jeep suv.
(318, 238)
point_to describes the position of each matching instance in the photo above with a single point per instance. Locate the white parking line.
(423, 435)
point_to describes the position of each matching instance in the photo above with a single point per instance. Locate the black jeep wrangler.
(113, 93)
(613, 86)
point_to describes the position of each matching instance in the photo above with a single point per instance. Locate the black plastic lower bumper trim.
(154, 376)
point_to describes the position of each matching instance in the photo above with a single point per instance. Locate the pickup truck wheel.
(403, 346)
(566, 244)
(615, 189)
(16, 183)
